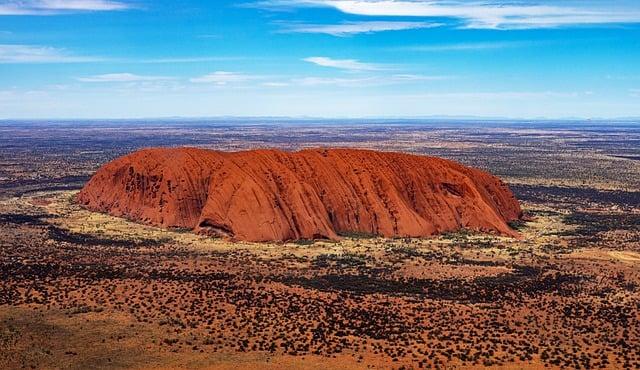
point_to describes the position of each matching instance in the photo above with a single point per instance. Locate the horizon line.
(339, 118)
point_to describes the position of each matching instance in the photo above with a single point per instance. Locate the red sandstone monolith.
(272, 195)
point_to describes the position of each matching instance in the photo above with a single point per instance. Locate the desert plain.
(81, 289)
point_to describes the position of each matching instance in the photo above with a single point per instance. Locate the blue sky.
(323, 58)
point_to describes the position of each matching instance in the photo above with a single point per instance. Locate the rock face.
(271, 195)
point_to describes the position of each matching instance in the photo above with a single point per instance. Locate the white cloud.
(353, 28)
(276, 84)
(17, 54)
(333, 81)
(48, 7)
(213, 36)
(413, 77)
(183, 60)
(122, 77)
(635, 93)
(224, 78)
(366, 81)
(472, 46)
(502, 95)
(346, 64)
(494, 14)
(95, 5)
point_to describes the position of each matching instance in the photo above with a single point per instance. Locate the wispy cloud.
(493, 14)
(276, 84)
(49, 7)
(365, 81)
(122, 77)
(18, 54)
(345, 64)
(225, 78)
(353, 28)
(635, 93)
(415, 77)
(333, 81)
(236, 79)
(181, 60)
(471, 46)
(623, 77)
(213, 36)
(503, 95)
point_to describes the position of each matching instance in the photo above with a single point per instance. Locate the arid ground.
(85, 290)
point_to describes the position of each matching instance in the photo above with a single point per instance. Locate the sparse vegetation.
(85, 290)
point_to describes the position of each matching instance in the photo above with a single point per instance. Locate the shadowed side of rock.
(271, 195)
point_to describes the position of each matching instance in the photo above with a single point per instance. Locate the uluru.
(273, 195)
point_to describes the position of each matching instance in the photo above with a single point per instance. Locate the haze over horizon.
(319, 58)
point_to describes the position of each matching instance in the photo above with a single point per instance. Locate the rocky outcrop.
(272, 195)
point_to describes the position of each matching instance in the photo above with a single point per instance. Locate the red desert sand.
(273, 195)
